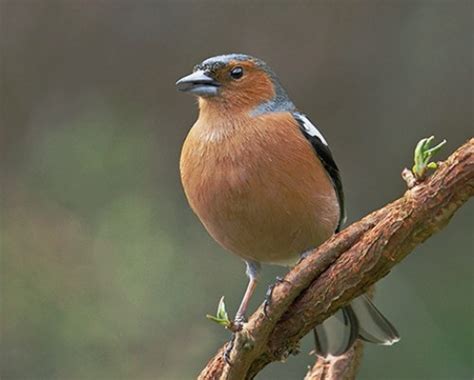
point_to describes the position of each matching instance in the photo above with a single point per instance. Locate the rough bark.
(343, 268)
(337, 368)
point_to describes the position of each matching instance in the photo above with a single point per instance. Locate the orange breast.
(258, 187)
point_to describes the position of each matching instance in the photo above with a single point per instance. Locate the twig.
(346, 266)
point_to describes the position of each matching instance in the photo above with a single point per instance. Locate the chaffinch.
(262, 180)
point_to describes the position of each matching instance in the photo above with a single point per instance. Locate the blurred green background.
(105, 271)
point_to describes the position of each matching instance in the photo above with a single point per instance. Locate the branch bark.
(337, 368)
(343, 268)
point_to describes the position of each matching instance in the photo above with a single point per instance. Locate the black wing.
(322, 151)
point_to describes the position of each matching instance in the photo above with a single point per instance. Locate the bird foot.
(304, 255)
(237, 324)
(228, 349)
(268, 296)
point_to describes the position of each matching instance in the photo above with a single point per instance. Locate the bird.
(262, 180)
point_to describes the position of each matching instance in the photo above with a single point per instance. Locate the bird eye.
(237, 72)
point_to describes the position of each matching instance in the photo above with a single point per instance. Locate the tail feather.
(337, 333)
(373, 326)
(361, 319)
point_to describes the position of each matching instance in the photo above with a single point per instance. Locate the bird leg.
(253, 270)
(240, 316)
(279, 280)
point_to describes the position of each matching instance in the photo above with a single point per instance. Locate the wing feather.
(321, 148)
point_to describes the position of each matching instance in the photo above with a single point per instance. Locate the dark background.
(105, 271)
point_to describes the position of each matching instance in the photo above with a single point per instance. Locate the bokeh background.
(105, 271)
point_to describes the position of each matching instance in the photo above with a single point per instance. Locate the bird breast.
(258, 187)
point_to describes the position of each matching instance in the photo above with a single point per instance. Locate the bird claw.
(268, 295)
(237, 324)
(228, 350)
(303, 256)
(240, 319)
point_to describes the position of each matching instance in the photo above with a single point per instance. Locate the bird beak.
(198, 83)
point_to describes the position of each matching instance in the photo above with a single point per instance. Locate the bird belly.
(259, 200)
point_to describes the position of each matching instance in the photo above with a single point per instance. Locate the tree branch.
(343, 367)
(337, 368)
(346, 266)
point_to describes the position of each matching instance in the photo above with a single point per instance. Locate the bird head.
(235, 82)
